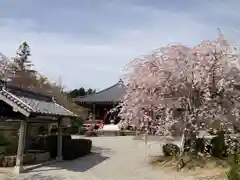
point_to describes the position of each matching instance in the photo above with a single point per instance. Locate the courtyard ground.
(113, 158)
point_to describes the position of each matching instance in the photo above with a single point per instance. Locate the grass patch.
(191, 166)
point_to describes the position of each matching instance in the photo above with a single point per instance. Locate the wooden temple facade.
(26, 107)
(101, 102)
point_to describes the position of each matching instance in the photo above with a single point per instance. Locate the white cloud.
(86, 60)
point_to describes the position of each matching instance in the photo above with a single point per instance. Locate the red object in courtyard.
(93, 123)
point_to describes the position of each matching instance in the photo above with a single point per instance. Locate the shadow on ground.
(81, 164)
(38, 176)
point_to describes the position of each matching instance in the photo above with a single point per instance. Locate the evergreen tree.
(22, 67)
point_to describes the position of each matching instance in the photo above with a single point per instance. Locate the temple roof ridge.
(111, 94)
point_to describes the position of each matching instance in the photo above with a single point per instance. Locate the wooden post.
(93, 112)
(21, 144)
(27, 138)
(59, 141)
(146, 145)
(154, 116)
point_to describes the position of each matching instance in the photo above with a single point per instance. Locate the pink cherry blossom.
(4, 67)
(202, 80)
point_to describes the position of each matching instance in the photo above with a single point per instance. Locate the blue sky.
(87, 42)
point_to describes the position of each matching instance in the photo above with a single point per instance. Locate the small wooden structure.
(101, 102)
(24, 106)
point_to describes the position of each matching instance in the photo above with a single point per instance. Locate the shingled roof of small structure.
(31, 102)
(112, 94)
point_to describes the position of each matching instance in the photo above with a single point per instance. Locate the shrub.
(170, 149)
(81, 131)
(72, 130)
(71, 148)
(77, 126)
(76, 148)
(75, 130)
(194, 145)
(218, 145)
(51, 144)
(234, 172)
(200, 145)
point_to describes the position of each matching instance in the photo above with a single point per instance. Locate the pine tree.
(22, 67)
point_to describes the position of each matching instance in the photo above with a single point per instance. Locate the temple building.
(101, 102)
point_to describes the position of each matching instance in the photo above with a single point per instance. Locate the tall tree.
(77, 92)
(90, 91)
(22, 74)
(201, 80)
(80, 92)
(22, 68)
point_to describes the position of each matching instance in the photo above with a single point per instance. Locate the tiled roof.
(33, 103)
(112, 94)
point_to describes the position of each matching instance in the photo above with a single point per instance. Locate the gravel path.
(113, 158)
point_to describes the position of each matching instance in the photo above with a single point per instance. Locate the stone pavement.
(113, 158)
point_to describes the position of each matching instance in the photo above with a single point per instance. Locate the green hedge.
(76, 148)
(71, 148)
(51, 144)
(218, 145)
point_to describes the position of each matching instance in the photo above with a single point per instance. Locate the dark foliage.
(71, 148)
(170, 150)
(9, 143)
(51, 144)
(80, 92)
(200, 145)
(234, 171)
(76, 127)
(218, 146)
(76, 148)
(195, 145)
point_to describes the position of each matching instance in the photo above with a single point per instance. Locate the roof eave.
(96, 102)
(15, 107)
(27, 110)
(34, 114)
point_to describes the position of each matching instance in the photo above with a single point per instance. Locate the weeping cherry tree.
(203, 80)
